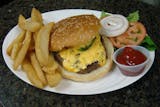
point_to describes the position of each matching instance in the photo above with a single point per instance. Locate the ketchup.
(131, 57)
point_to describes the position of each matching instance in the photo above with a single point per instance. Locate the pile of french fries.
(30, 51)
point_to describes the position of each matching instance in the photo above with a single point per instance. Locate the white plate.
(112, 81)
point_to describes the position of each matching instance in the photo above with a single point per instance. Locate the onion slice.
(113, 25)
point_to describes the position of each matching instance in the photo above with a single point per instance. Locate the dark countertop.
(143, 93)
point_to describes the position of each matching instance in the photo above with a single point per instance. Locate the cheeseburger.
(83, 54)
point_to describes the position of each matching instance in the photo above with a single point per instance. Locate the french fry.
(31, 73)
(22, 52)
(28, 25)
(35, 35)
(30, 49)
(53, 79)
(18, 39)
(16, 48)
(32, 44)
(37, 68)
(36, 16)
(52, 65)
(21, 21)
(42, 44)
(32, 26)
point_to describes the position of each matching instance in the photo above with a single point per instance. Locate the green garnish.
(148, 43)
(87, 46)
(103, 14)
(133, 17)
(135, 39)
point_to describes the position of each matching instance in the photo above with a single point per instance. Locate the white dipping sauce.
(113, 25)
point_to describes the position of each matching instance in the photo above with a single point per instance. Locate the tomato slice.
(133, 36)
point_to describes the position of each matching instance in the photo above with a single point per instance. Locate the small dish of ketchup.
(131, 60)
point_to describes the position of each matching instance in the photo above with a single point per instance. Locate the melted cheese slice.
(75, 59)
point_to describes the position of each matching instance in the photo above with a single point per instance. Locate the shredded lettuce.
(133, 17)
(148, 43)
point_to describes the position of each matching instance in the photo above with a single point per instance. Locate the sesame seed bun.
(73, 31)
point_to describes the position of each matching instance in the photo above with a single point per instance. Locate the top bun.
(73, 31)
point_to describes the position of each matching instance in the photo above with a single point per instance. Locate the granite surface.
(143, 93)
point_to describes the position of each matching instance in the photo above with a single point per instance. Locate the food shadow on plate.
(63, 85)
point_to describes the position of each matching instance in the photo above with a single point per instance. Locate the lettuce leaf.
(133, 17)
(148, 43)
(103, 14)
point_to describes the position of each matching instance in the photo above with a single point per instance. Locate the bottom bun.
(97, 73)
